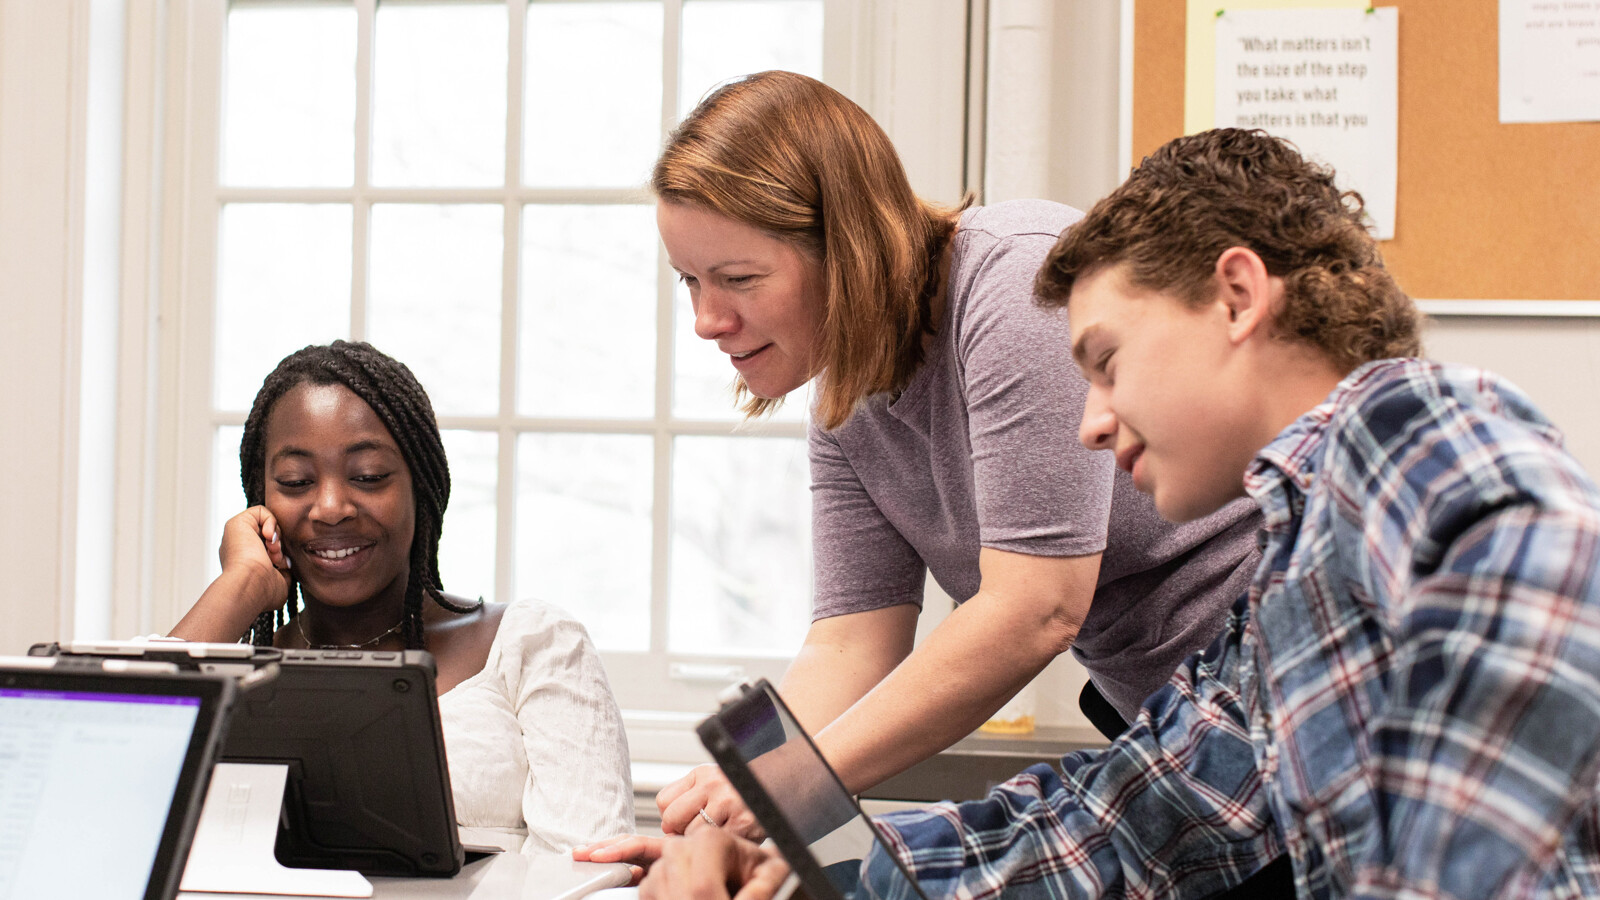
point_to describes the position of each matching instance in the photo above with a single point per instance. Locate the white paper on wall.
(1549, 60)
(1326, 79)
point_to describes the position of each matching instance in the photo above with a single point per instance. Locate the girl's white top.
(538, 757)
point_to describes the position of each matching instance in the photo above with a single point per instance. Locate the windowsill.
(1050, 740)
(978, 762)
(650, 777)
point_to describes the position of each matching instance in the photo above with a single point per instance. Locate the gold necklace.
(299, 626)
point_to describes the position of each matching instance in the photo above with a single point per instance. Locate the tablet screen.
(87, 786)
(798, 792)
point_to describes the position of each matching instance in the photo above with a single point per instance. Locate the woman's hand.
(254, 580)
(705, 788)
(712, 864)
(637, 850)
(843, 658)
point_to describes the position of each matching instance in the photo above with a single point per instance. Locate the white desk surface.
(502, 876)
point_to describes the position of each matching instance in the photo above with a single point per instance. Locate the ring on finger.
(709, 821)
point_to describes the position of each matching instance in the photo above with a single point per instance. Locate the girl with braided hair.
(347, 481)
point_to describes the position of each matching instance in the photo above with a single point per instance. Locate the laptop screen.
(90, 784)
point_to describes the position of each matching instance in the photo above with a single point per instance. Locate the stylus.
(258, 677)
(119, 666)
(789, 886)
(196, 649)
(130, 666)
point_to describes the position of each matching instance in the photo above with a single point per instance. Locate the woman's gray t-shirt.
(981, 450)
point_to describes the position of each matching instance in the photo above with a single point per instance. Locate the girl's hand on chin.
(252, 544)
(254, 580)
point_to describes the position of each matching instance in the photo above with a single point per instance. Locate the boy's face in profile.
(1169, 391)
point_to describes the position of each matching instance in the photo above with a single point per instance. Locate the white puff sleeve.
(535, 740)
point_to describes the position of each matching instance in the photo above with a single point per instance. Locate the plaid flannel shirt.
(1407, 701)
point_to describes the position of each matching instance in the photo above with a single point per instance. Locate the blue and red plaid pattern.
(1407, 701)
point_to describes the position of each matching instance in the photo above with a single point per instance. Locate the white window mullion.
(661, 509)
(227, 195)
(185, 426)
(671, 66)
(138, 354)
(361, 213)
(516, 30)
(586, 196)
(510, 323)
(366, 27)
(359, 245)
(661, 500)
(679, 427)
(505, 512)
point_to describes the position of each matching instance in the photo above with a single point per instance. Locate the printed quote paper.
(1326, 79)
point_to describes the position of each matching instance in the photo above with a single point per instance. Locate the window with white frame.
(460, 183)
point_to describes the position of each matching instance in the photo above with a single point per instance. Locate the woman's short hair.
(798, 160)
(1199, 195)
(387, 386)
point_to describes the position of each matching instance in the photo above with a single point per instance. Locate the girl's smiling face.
(341, 492)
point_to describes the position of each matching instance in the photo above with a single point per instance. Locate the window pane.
(702, 378)
(227, 494)
(435, 287)
(583, 531)
(592, 110)
(741, 546)
(283, 282)
(289, 104)
(467, 544)
(439, 94)
(588, 315)
(724, 39)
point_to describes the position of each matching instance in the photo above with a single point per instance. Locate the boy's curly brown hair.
(1199, 195)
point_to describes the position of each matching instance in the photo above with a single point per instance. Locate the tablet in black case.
(814, 822)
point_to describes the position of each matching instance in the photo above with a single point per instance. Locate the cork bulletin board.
(1484, 211)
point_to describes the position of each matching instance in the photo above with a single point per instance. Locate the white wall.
(1085, 103)
(1053, 100)
(1555, 360)
(895, 55)
(61, 96)
(42, 72)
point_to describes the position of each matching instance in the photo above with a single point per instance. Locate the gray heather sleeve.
(1038, 491)
(859, 560)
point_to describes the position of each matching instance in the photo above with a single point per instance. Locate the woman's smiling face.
(758, 298)
(341, 492)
